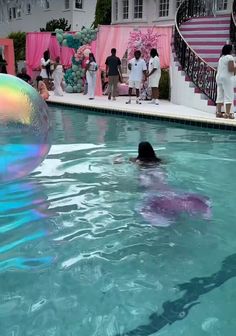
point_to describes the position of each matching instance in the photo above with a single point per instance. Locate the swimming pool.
(78, 259)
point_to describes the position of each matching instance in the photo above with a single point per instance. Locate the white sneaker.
(128, 102)
(138, 102)
(156, 102)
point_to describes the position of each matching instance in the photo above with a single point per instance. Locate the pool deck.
(164, 111)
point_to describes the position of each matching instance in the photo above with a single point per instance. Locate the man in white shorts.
(154, 75)
(138, 68)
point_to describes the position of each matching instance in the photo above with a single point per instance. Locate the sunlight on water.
(78, 258)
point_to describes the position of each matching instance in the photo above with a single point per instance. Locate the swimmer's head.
(146, 152)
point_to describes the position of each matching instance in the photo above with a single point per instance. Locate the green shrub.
(54, 24)
(102, 13)
(19, 39)
(165, 84)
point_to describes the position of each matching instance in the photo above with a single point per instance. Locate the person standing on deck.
(114, 73)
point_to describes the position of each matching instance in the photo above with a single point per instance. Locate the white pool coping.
(164, 110)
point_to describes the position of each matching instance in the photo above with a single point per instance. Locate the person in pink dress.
(41, 87)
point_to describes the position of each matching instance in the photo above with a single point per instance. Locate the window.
(9, 14)
(19, 12)
(164, 8)
(138, 9)
(79, 4)
(47, 4)
(125, 9)
(116, 10)
(28, 8)
(67, 4)
(222, 5)
(14, 12)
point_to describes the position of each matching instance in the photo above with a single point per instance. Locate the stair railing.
(233, 26)
(198, 70)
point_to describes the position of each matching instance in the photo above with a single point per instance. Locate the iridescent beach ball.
(24, 128)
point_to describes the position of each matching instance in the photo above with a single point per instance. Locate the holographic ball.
(24, 128)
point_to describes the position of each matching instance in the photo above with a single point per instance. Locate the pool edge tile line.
(206, 120)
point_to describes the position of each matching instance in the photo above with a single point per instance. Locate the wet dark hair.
(92, 55)
(46, 56)
(146, 153)
(226, 50)
(154, 52)
(113, 51)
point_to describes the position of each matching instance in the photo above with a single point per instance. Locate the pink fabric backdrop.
(37, 43)
(108, 37)
(118, 37)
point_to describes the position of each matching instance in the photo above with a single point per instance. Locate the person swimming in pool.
(146, 155)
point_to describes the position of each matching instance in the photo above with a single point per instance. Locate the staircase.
(206, 35)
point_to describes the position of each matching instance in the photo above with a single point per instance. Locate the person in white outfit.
(58, 76)
(154, 75)
(225, 84)
(138, 68)
(91, 75)
(46, 68)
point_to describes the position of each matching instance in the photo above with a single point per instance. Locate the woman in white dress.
(58, 76)
(91, 75)
(225, 83)
(154, 75)
(46, 68)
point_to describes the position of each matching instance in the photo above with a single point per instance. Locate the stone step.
(210, 44)
(214, 57)
(205, 40)
(215, 51)
(209, 29)
(205, 25)
(209, 34)
(210, 19)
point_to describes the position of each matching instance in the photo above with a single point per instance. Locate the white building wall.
(182, 93)
(39, 15)
(84, 17)
(151, 12)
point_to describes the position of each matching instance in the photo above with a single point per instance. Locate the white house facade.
(154, 12)
(31, 15)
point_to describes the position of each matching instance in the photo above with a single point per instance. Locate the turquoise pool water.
(76, 257)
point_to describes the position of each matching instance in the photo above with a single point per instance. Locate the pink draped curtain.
(54, 48)
(118, 37)
(36, 44)
(66, 56)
